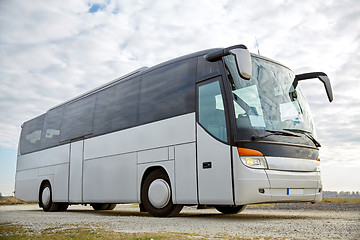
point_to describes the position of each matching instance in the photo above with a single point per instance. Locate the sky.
(51, 51)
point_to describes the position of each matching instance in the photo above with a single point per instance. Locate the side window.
(116, 107)
(211, 109)
(51, 131)
(206, 69)
(78, 118)
(30, 138)
(167, 91)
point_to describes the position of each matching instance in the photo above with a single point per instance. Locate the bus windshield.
(268, 102)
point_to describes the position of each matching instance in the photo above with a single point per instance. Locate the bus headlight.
(252, 158)
(255, 162)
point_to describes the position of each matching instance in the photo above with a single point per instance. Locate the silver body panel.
(291, 181)
(169, 132)
(110, 169)
(292, 164)
(50, 164)
(76, 172)
(215, 183)
(111, 179)
(185, 174)
(121, 158)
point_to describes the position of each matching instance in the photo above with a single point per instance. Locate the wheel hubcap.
(45, 197)
(159, 193)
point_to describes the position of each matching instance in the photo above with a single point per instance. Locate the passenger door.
(213, 152)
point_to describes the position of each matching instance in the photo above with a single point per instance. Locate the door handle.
(207, 165)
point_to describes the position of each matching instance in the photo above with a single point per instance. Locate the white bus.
(220, 127)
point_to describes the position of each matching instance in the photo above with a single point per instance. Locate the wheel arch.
(152, 168)
(43, 182)
(149, 170)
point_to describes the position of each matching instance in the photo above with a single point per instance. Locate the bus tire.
(100, 206)
(63, 207)
(156, 195)
(45, 199)
(111, 207)
(230, 209)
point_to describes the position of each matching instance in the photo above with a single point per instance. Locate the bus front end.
(274, 147)
(259, 179)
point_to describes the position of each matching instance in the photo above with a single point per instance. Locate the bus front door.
(213, 154)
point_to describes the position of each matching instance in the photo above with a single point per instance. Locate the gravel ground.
(282, 221)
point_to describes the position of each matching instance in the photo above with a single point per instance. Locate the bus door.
(214, 155)
(76, 171)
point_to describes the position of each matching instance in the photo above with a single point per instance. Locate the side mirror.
(242, 56)
(243, 62)
(320, 75)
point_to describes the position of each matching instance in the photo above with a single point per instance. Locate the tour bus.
(220, 127)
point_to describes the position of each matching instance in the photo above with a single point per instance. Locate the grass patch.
(18, 232)
(11, 201)
(261, 205)
(341, 200)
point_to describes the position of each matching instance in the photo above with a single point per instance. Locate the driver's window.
(211, 110)
(248, 108)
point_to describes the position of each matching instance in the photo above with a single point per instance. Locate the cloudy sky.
(51, 51)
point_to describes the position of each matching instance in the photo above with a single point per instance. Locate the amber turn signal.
(248, 152)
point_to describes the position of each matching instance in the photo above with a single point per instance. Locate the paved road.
(290, 221)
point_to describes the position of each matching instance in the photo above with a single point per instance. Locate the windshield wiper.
(274, 132)
(306, 133)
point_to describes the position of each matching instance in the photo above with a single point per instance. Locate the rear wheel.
(156, 195)
(45, 199)
(230, 209)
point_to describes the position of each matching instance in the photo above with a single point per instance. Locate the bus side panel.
(111, 179)
(172, 131)
(153, 143)
(35, 167)
(76, 172)
(47, 157)
(60, 184)
(185, 174)
(168, 166)
(27, 185)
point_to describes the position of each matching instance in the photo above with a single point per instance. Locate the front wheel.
(63, 207)
(156, 195)
(230, 209)
(45, 199)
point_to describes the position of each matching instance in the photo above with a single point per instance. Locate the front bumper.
(287, 183)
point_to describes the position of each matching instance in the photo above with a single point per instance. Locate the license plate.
(294, 191)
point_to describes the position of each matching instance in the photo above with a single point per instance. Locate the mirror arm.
(321, 76)
(242, 57)
(217, 54)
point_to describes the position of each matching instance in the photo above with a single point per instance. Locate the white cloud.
(53, 51)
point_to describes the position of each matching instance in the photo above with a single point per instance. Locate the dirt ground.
(280, 221)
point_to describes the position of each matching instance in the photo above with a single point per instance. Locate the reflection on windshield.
(247, 101)
(268, 101)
